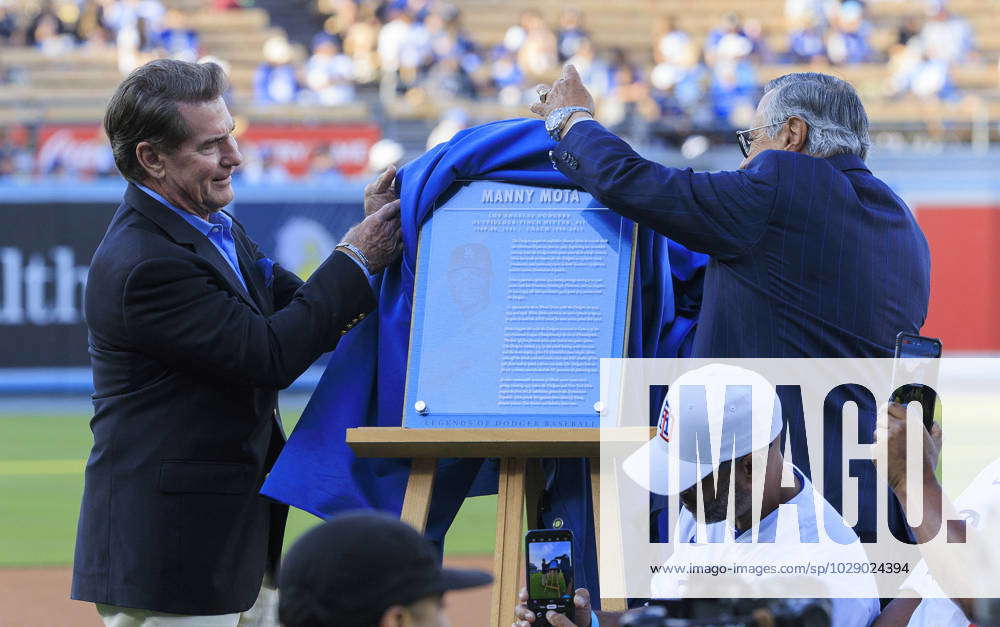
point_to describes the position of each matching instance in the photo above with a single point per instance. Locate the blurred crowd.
(418, 52)
(137, 30)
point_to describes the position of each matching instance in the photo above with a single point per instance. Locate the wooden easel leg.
(507, 554)
(419, 488)
(609, 605)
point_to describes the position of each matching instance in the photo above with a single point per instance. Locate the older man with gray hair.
(811, 255)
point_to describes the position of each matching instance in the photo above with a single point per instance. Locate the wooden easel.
(520, 483)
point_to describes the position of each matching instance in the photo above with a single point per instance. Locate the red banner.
(299, 149)
(288, 151)
(78, 149)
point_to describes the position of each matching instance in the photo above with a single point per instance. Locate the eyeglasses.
(744, 140)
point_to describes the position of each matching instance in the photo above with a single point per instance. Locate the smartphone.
(916, 359)
(549, 565)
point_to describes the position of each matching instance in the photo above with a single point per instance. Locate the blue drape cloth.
(364, 382)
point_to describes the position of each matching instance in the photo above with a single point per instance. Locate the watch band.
(357, 252)
(559, 117)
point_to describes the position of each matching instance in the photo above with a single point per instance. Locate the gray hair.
(837, 120)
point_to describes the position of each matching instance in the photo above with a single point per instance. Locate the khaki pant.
(264, 613)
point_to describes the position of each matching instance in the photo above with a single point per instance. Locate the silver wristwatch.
(556, 120)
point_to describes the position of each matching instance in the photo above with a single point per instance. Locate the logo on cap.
(663, 425)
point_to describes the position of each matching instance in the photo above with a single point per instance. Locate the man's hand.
(378, 237)
(890, 434)
(381, 191)
(567, 91)
(581, 617)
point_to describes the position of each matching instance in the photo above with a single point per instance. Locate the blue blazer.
(809, 258)
(187, 364)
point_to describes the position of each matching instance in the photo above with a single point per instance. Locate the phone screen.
(917, 360)
(550, 569)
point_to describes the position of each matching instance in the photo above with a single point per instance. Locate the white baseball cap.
(711, 415)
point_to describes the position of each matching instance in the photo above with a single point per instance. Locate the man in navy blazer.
(193, 331)
(811, 254)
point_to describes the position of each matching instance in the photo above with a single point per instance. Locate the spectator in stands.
(329, 72)
(419, 9)
(506, 76)
(731, 26)
(178, 40)
(360, 43)
(806, 41)
(276, 80)
(593, 70)
(342, 14)
(146, 16)
(390, 37)
(909, 27)
(945, 37)
(753, 30)
(415, 54)
(448, 80)
(10, 34)
(45, 14)
(922, 71)
(931, 80)
(515, 35)
(798, 10)
(538, 54)
(51, 38)
(89, 20)
(847, 43)
(669, 41)
(449, 39)
(571, 32)
(734, 82)
(98, 38)
(630, 97)
(681, 86)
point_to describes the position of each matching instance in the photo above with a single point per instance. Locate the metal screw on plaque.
(599, 407)
(421, 407)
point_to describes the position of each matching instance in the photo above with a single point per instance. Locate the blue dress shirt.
(218, 229)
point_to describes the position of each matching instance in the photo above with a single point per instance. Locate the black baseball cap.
(350, 569)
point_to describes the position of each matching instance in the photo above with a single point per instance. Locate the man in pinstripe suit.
(811, 254)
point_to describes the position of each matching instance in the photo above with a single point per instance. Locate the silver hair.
(837, 120)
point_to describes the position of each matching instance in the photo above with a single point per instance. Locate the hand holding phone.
(916, 359)
(549, 573)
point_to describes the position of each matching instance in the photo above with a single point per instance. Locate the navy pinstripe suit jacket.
(809, 258)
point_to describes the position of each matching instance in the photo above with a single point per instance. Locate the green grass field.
(42, 458)
(41, 479)
(537, 591)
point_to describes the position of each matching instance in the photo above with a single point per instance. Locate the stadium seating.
(48, 88)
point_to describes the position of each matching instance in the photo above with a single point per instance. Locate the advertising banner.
(271, 152)
(45, 252)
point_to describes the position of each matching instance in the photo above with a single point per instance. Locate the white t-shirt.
(787, 537)
(978, 505)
